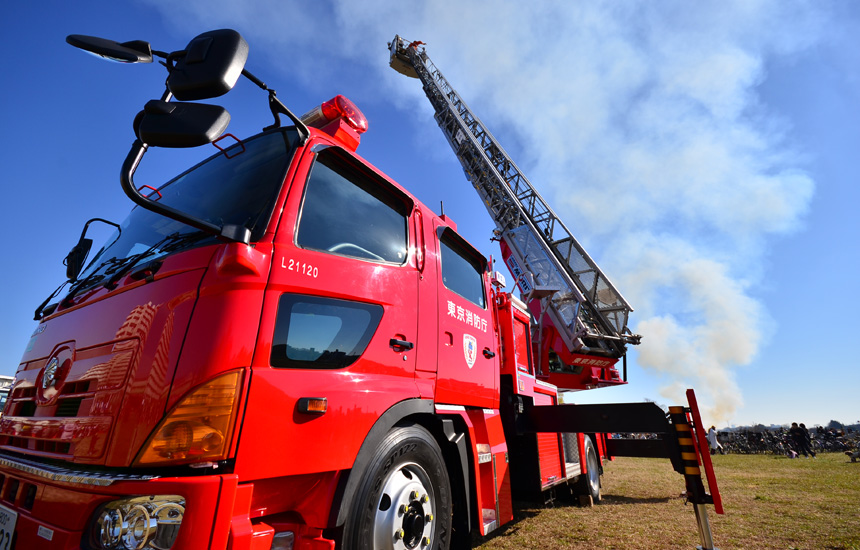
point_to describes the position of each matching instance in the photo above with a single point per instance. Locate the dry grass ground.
(770, 501)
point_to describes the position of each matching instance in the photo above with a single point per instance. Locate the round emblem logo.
(470, 349)
(49, 379)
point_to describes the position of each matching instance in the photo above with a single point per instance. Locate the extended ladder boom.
(545, 258)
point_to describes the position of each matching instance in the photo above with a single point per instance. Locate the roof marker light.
(333, 109)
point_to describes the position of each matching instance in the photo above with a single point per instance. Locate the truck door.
(468, 371)
(340, 318)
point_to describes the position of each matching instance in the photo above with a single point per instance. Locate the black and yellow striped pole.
(689, 463)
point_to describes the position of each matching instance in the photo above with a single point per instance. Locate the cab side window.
(462, 273)
(319, 332)
(347, 212)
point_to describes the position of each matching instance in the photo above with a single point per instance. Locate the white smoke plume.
(639, 121)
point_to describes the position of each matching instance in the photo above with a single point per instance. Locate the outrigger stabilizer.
(680, 438)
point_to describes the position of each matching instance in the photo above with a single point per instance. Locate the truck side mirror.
(209, 67)
(136, 51)
(174, 124)
(74, 261)
(77, 256)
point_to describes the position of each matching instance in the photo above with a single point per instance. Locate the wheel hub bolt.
(428, 518)
(402, 509)
(413, 495)
(425, 541)
(399, 534)
(425, 499)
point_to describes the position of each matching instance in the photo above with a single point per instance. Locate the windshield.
(238, 186)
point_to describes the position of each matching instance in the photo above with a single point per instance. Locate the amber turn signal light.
(199, 427)
(317, 405)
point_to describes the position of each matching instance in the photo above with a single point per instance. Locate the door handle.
(403, 345)
(488, 353)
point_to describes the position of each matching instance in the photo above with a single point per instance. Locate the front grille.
(68, 407)
(18, 493)
(24, 393)
(19, 442)
(29, 497)
(27, 408)
(81, 386)
(68, 402)
(60, 447)
(74, 418)
(11, 490)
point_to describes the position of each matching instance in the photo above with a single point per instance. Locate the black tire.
(404, 497)
(589, 484)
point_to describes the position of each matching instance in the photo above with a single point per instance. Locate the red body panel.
(63, 510)
(121, 350)
(490, 473)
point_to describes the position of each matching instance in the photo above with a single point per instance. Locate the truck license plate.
(8, 519)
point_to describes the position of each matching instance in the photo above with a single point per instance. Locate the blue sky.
(705, 155)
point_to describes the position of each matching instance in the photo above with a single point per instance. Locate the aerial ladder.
(552, 270)
(562, 283)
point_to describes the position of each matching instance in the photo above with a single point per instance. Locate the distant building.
(5, 384)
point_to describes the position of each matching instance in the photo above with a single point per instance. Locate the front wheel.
(403, 501)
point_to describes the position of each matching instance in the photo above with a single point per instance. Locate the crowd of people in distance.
(791, 442)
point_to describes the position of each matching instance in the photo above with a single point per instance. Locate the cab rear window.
(461, 273)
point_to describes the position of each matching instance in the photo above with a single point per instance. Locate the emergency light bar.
(335, 108)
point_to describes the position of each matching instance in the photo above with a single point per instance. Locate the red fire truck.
(281, 348)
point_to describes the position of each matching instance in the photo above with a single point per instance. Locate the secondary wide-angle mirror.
(175, 124)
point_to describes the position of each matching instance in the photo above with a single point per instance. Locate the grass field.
(770, 502)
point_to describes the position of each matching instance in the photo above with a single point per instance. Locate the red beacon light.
(340, 118)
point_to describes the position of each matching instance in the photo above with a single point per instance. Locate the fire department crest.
(470, 349)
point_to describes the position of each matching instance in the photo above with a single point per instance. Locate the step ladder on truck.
(579, 318)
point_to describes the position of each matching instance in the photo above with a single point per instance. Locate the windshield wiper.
(37, 315)
(116, 268)
(168, 244)
(90, 280)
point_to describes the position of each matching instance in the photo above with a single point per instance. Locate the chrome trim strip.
(66, 475)
(546, 385)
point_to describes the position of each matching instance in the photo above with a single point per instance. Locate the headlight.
(138, 523)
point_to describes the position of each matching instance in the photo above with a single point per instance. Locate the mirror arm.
(247, 74)
(170, 59)
(129, 166)
(77, 256)
(278, 108)
(86, 225)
